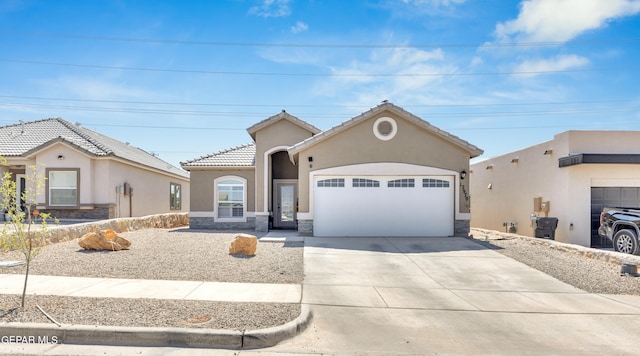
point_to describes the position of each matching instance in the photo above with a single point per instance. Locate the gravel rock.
(166, 254)
(172, 254)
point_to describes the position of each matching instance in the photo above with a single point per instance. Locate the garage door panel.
(384, 211)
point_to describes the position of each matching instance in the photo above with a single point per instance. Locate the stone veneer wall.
(461, 228)
(211, 224)
(305, 227)
(105, 212)
(69, 232)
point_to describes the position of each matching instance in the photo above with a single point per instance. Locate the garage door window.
(332, 182)
(401, 183)
(365, 183)
(434, 183)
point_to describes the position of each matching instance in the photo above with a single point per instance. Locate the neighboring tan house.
(89, 175)
(571, 177)
(385, 172)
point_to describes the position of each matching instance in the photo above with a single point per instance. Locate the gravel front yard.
(167, 254)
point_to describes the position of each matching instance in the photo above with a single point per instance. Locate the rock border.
(602, 255)
(64, 233)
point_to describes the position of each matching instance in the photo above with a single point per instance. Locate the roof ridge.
(82, 134)
(235, 148)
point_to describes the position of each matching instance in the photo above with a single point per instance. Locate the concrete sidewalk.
(154, 289)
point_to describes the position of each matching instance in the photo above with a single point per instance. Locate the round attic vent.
(385, 128)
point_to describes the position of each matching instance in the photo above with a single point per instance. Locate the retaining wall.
(603, 255)
(69, 232)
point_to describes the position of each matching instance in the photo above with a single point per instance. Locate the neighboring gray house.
(571, 177)
(90, 175)
(385, 172)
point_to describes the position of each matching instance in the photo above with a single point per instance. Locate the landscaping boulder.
(104, 240)
(244, 244)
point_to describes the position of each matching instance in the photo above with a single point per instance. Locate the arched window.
(231, 198)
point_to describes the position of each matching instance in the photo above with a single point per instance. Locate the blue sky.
(186, 78)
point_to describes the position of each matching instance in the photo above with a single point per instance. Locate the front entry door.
(285, 200)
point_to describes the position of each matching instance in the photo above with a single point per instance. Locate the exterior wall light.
(61, 157)
(515, 161)
(463, 174)
(548, 152)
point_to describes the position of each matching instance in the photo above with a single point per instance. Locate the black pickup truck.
(622, 227)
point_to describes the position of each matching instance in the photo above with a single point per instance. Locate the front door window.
(285, 205)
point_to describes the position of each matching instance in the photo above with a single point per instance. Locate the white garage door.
(383, 206)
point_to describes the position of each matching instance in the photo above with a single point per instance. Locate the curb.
(159, 337)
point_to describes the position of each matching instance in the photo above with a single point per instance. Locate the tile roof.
(23, 139)
(240, 156)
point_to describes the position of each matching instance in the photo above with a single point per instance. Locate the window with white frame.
(63, 187)
(331, 182)
(434, 183)
(401, 183)
(231, 193)
(365, 183)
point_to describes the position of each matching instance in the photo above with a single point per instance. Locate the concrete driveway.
(450, 296)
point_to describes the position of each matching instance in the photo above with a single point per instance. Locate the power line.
(316, 106)
(317, 115)
(284, 74)
(319, 45)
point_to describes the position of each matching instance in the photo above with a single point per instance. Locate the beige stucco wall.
(358, 144)
(279, 136)
(202, 181)
(99, 178)
(150, 189)
(568, 189)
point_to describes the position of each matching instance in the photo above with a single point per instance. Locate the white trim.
(394, 128)
(244, 199)
(211, 214)
(266, 176)
(614, 182)
(383, 169)
(202, 214)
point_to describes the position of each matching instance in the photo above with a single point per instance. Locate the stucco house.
(89, 175)
(571, 177)
(385, 172)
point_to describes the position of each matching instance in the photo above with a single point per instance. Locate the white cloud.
(476, 61)
(271, 8)
(562, 20)
(389, 73)
(558, 63)
(299, 27)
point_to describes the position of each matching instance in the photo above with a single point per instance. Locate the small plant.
(21, 232)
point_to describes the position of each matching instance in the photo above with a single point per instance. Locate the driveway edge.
(155, 336)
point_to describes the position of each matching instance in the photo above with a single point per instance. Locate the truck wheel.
(625, 241)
